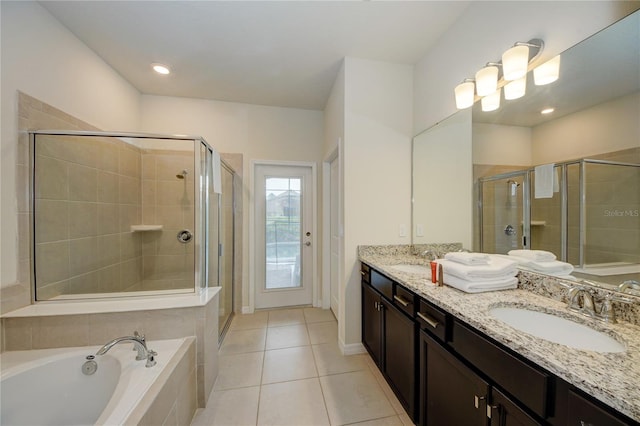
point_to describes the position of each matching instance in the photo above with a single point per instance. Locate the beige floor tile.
(323, 332)
(313, 315)
(330, 360)
(393, 399)
(287, 336)
(282, 317)
(354, 397)
(292, 403)
(230, 407)
(239, 370)
(243, 341)
(281, 365)
(385, 421)
(250, 321)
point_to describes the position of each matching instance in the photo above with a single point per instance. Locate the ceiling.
(280, 53)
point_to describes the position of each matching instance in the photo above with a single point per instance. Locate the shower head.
(183, 174)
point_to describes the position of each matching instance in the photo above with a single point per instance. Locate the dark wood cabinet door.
(505, 413)
(399, 344)
(372, 322)
(583, 412)
(454, 395)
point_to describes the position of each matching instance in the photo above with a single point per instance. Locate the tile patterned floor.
(284, 367)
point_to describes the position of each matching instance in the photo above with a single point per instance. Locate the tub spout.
(139, 344)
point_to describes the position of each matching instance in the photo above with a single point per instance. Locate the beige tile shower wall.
(168, 201)
(546, 226)
(612, 214)
(87, 195)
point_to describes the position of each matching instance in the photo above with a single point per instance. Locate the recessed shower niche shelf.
(145, 228)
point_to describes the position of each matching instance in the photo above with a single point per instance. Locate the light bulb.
(161, 69)
(547, 72)
(464, 94)
(491, 102)
(516, 88)
(487, 80)
(515, 62)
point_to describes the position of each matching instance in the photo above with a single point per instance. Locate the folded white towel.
(554, 267)
(536, 255)
(546, 180)
(468, 258)
(498, 267)
(467, 286)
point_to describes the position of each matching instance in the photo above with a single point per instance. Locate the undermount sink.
(412, 269)
(557, 329)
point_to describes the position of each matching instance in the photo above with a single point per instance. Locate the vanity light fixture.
(547, 72)
(161, 69)
(515, 89)
(547, 111)
(491, 102)
(515, 64)
(465, 94)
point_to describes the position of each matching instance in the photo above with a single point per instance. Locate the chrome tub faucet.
(139, 344)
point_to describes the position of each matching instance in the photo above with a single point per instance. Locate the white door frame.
(326, 225)
(252, 228)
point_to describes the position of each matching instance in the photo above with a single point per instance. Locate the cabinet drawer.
(433, 320)
(365, 272)
(527, 384)
(405, 300)
(381, 283)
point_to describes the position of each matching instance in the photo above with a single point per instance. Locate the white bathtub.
(47, 387)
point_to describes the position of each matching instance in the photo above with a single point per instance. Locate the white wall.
(443, 182)
(505, 145)
(257, 132)
(608, 127)
(43, 59)
(377, 176)
(487, 29)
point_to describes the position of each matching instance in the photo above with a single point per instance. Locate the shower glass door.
(503, 216)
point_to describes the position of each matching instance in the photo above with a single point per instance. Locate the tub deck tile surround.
(86, 323)
(610, 377)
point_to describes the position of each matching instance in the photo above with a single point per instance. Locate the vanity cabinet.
(389, 335)
(463, 376)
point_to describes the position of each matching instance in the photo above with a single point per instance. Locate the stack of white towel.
(541, 261)
(478, 272)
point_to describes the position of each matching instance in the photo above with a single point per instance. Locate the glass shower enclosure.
(591, 220)
(127, 214)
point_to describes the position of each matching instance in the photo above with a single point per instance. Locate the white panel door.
(283, 216)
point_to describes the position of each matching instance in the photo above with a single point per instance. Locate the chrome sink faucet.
(431, 254)
(633, 284)
(587, 308)
(139, 344)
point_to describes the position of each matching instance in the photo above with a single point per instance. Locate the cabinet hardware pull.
(401, 300)
(476, 400)
(490, 409)
(375, 305)
(362, 273)
(433, 323)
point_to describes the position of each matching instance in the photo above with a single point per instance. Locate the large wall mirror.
(590, 142)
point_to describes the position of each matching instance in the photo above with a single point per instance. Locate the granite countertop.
(613, 378)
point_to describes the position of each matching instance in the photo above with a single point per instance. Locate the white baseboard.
(352, 348)
(247, 310)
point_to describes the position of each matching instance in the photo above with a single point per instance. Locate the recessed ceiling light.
(547, 111)
(161, 69)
